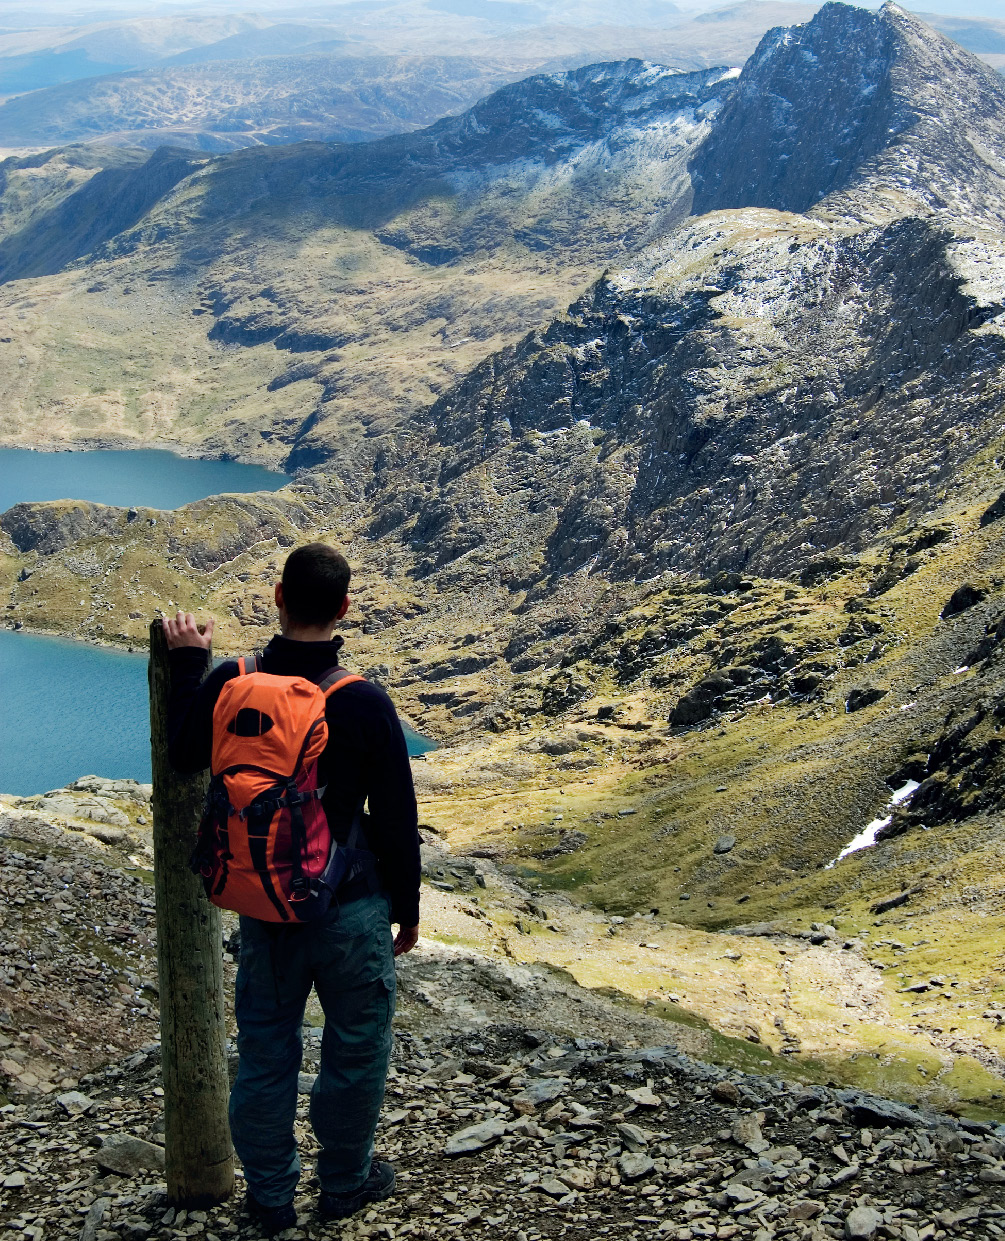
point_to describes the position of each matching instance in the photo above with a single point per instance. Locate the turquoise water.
(70, 710)
(145, 477)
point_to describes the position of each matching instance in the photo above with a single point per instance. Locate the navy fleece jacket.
(366, 755)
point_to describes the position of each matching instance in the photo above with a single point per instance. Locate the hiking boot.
(272, 1219)
(377, 1186)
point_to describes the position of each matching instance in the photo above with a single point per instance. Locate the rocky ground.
(520, 1104)
(505, 1131)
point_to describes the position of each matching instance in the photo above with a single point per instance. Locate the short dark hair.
(315, 583)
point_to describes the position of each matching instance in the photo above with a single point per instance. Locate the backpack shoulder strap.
(335, 678)
(248, 664)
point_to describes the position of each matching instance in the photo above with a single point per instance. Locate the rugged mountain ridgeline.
(693, 575)
(353, 72)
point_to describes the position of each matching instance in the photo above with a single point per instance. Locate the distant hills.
(381, 69)
(224, 105)
(33, 59)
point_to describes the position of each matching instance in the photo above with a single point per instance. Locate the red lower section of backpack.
(252, 868)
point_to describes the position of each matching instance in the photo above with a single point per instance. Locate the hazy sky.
(17, 13)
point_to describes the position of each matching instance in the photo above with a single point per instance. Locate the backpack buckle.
(300, 890)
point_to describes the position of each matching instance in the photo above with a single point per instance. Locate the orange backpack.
(265, 848)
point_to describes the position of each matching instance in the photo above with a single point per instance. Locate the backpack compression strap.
(248, 664)
(328, 684)
(335, 679)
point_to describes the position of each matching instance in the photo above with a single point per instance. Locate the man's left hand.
(183, 631)
(405, 940)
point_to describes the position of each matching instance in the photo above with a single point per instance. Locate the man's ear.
(279, 595)
(343, 609)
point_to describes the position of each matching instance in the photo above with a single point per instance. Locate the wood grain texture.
(198, 1150)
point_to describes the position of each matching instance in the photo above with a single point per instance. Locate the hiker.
(289, 941)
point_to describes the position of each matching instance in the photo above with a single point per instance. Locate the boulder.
(74, 1103)
(634, 1138)
(698, 703)
(546, 1090)
(634, 1165)
(861, 1223)
(129, 1156)
(996, 511)
(869, 1110)
(962, 598)
(746, 1131)
(475, 1138)
(864, 696)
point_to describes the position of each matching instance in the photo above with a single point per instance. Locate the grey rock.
(127, 1155)
(745, 1131)
(15, 1180)
(92, 1221)
(867, 1109)
(553, 1187)
(74, 1102)
(725, 844)
(643, 1096)
(545, 1090)
(91, 808)
(633, 1137)
(634, 1165)
(861, 1223)
(475, 1138)
(305, 1082)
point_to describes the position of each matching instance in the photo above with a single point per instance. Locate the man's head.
(314, 588)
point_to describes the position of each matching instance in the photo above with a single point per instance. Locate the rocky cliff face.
(813, 104)
(761, 386)
(749, 394)
(878, 110)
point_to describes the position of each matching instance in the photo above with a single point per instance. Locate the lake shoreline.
(125, 443)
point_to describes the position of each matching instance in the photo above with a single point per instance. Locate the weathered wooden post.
(198, 1151)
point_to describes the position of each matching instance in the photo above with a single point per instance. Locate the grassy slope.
(120, 349)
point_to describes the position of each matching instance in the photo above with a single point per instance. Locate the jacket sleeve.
(190, 707)
(393, 825)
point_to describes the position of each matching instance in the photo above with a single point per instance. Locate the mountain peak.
(854, 100)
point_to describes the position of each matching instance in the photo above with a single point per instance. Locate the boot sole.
(360, 1199)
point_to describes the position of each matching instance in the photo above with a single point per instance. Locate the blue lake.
(71, 709)
(142, 477)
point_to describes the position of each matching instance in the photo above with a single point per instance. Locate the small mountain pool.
(70, 709)
(144, 477)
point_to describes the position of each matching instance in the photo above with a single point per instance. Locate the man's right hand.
(183, 631)
(405, 940)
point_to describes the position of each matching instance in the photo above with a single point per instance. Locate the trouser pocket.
(387, 999)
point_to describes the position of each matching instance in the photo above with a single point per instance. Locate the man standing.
(348, 954)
